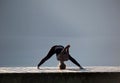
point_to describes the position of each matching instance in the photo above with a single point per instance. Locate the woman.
(62, 54)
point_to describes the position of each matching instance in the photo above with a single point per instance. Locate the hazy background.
(28, 29)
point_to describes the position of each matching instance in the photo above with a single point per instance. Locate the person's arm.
(66, 50)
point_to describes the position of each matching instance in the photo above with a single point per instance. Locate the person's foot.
(81, 68)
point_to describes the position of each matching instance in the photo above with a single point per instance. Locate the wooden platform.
(91, 74)
(90, 69)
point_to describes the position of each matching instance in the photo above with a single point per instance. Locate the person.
(62, 54)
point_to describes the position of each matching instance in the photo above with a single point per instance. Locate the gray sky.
(28, 29)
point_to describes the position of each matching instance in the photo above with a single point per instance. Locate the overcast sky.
(28, 29)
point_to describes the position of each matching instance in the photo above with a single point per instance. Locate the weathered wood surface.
(90, 69)
(98, 74)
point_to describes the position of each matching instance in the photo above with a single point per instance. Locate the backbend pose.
(62, 54)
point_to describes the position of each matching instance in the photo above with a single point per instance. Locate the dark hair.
(62, 66)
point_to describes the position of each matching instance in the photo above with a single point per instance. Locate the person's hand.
(68, 46)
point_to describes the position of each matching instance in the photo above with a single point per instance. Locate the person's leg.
(75, 62)
(50, 53)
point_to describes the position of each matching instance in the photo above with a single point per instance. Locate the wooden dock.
(91, 74)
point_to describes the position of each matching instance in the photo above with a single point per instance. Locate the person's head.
(62, 66)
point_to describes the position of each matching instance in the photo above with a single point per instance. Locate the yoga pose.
(62, 54)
